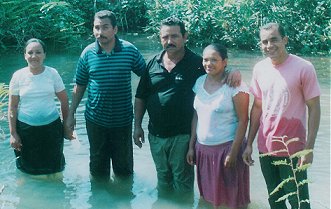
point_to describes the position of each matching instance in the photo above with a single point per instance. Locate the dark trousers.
(110, 145)
(275, 174)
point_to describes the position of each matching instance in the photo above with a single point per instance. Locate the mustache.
(170, 46)
(101, 36)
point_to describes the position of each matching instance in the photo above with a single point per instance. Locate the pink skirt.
(219, 185)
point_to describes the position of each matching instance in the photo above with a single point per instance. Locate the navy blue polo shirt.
(108, 80)
(168, 95)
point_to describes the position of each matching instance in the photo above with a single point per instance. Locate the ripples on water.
(74, 189)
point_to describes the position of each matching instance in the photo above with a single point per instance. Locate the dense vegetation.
(234, 22)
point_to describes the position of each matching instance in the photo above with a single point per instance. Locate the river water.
(74, 189)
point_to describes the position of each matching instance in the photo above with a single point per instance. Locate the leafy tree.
(54, 21)
(234, 22)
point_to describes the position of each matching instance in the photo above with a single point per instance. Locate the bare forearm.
(254, 123)
(65, 110)
(15, 140)
(241, 103)
(139, 111)
(239, 137)
(253, 128)
(193, 130)
(314, 115)
(12, 113)
(12, 118)
(77, 95)
(64, 101)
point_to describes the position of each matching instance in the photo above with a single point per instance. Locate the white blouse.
(217, 117)
(37, 103)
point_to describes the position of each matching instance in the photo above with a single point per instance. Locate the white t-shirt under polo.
(37, 103)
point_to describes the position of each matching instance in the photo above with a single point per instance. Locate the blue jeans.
(169, 155)
(110, 144)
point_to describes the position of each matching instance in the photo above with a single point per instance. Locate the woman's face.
(213, 63)
(34, 55)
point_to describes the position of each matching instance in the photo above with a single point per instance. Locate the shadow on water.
(75, 190)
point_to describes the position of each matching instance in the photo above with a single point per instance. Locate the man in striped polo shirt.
(104, 68)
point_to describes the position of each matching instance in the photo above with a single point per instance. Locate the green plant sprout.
(291, 163)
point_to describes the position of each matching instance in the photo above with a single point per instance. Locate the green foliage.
(54, 21)
(290, 163)
(131, 14)
(62, 23)
(301, 153)
(281, 184)
(235, 23)
(3, 103)
(307, 22)
(3, 96)
(302, 168)
(286, 196)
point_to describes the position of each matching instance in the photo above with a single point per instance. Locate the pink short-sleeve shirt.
(283, 90)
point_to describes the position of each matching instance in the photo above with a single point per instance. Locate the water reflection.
(75, 189)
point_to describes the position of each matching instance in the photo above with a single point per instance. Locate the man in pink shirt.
(283, 86)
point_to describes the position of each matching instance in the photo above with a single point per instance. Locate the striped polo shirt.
(108, 80)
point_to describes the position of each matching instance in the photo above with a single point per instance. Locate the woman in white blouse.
(36, 130)
(218, 132)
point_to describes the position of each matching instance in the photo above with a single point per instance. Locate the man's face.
(273, 44)
(172, 39)
(104, 31)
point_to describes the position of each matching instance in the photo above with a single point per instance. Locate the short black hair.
(174, 21)
(106, 14)
(271, 25)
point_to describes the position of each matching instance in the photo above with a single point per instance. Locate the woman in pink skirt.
(218, 132)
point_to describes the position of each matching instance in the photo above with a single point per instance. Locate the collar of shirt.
(117, 48)
(187, 54)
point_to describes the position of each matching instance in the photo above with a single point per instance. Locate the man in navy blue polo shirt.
(104, 68)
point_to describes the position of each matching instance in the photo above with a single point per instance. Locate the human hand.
(69, 126)
(69, 134)
(190, 158)
(230, 161)
(306, 159)
(138, 136)
(247, 156)
(15, 141)
(234, 78)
